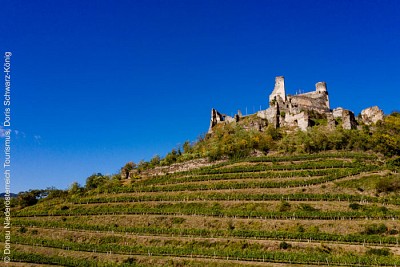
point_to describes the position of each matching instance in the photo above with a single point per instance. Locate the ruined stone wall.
(347, 117)
(348, 120)
(315, 101)
(321, 87)
(271, 115)
(337, 112)
(279, 89)
(300, 120)
(217, 118)
(296, 110)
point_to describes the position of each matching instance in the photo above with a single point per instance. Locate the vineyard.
(328, 209)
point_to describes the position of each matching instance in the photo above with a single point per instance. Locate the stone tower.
(320, 87)
(279, 89)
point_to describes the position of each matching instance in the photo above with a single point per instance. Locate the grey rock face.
(348, 120)
(372, 115)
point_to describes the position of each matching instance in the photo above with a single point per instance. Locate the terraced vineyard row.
(299, 162)
(193, 196)
(259, 210)
(225, 249)
(195, 232)
(334, 174)
(165, 180)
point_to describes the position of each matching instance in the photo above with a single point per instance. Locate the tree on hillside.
(171, 157)
(26, 199)
(387, 136)
(95, 180)
(155, 161)
(187, 147)
(75, 188)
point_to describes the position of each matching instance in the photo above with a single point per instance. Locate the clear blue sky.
(96, 84)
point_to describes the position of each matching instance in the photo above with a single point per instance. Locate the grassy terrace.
(317, 209)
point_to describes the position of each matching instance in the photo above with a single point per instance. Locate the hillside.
(333, 208)
(236, 197)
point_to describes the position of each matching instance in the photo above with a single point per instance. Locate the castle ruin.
(300, 111)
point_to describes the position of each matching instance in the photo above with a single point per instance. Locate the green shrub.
(129, 260)
(393, 164)
(388, 184)
(34, 232)
(355, 206)
(231, 226)
(284, 245)
(324, 249)
(375, 229)
(284, 206)
(95, 180)
(300, 229)
(378, 251)
(307, 207)
(22, 230)
(26, 199)
(393, 232)
(313, 229)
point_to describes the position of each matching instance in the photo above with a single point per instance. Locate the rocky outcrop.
(337, 112)
(371, 115)
(348, 119)
(330, 120)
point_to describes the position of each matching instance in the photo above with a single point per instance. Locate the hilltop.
(301, 111)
